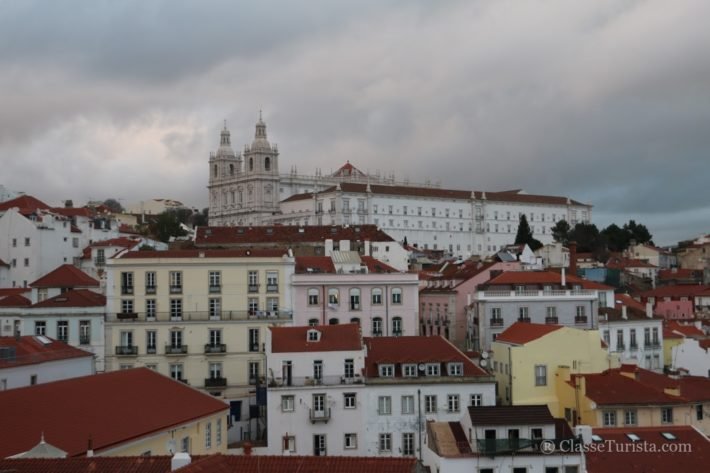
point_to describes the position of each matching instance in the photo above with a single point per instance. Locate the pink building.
(675, 302)
(444, 300)
(347, 288)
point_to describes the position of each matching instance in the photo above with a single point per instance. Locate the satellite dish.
(422, 367)
(484, 355)
(483, 363)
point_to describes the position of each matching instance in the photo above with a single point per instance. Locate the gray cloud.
(605, 101)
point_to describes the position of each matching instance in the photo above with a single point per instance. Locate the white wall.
(692, 357)
(18, 377)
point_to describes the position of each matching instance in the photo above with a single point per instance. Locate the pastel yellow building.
(131, 412)
(528, 358)
(630, 396)
(199, 316)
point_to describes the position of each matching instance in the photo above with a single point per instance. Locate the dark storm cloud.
(607, 101)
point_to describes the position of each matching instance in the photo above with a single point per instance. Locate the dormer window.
(455, 369)
(433, 369)
(386, 370)
(409, 370)
(313, 335)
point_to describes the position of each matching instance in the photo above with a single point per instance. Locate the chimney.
(179, 460)
(90, 448)
(624, 315)
(563, 281)
(649, 310)
(572, 257)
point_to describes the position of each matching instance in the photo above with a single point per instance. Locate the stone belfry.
(244, 191)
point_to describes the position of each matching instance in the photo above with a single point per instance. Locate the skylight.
(668, 436)
(597, 438)
(634, 437)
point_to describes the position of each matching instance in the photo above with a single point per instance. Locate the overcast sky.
(606, 101)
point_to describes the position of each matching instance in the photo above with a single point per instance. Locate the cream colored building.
(199, 316)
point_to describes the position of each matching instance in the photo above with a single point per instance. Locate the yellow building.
(528, 358)
(125, 413)
(631, 396)
(199, 316)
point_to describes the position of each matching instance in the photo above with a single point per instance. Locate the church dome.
(225, 145)
(260, 142)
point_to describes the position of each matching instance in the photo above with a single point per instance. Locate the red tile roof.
(680, 290)
(344, 337)
(684, 330)
(66, 275)
(542, 278)
(9, 291)
(281, 464)
(324, 264)
(73, 211)
(74, 298)
(521, 333)
(376, 266)
(680, 273)
(536, 414)
(459, 274)
(123, 242)
(657, 455)
(75, 414)
(628, 301)
(619, 262)
(14, 300)
(414, 349)
(348, 170)
(30, 350)
(286, 234)
(23, 202)
(142, 464)
(245, 253)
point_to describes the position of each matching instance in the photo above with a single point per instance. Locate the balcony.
(495, 447)
(633, 347)
(151, 350)
(524, 319)
(203, 316)
(272, 288)
(215, 288)
(175, 349)
(84, 340)
(552, 320)
(253, 288)
(299, 381)
(126, 290)
(377, 333)
(176, 289)
(535, 293)
(620, 347)
(580, 319)
(396, 333)
(215, 348)
(496, 322)
(320, 415)
(126, 350)
(151, 289)
(214, 382)
(99, 261)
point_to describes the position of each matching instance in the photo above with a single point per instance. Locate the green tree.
(200, 219)
(617, 238)
(113, 205)
(587, 237)
(560, 232)
(638, 232)
(167, 225)
(525, 234)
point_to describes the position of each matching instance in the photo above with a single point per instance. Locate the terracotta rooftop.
(510, 415)
(658, 454)
(281, 464)
(679, 290)
(73, 415)
(286, 234)
(342, 337)
(680, 273)
(324, 264)
(459, 274)
(123, 242)
(684, 330)
(241, 253)
(142, 464)
(66, 275)
(73, 298)
(30, 350)
(542, 278)
(23, 202)
(619, 262)
(14, 300)
(521, 333)
(414, 349)
(9, 291)
(73, 211)
(628, 301)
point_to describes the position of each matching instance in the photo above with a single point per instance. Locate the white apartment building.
(333, 393)
(248, 190)
(692, 355)
(200, 316)
(635, 335)
(542, 297)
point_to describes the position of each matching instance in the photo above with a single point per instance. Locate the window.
(377, 326)
(580, 311)
(540, 375)
(350, 400)
(666, 415)
(523, 313)
(385, 443)
(151, 341)
(407, 404)
(215, 308)
(476, 400)
(150, 308)
(699, 412)
(150, 282)
(396, 295)
(176, 371)
(312, 296)
(333, 297)
(609, 418)
(384, 405)
(84, 332)
(430, 404)
(253, 305)
(126, 283)
(312, 322)
(409, 370)
(386, 371)
(630, 417)
(14, 242)
(349, 368)
(433, 369)
(318, 369)
(27, 262)
(376, 296)
(455, 369)
(253, 281)
(452, 402)
(215, 281)
(62, 330)
(127, 306)
(176, 339)
(354, 299)
(253, 339)
(218, 431)
(176, 309)
(208, 435)
(33, 379)
(272, 281)
(40, 328)
(350, 441)
(175, 282)
(287, 403)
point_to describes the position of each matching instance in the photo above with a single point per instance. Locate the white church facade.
(247, 189)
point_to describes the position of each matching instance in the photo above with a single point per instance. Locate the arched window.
(354, 299)
(377, 327)
(333, 296)
(251, 164)
(333, 321)
(231, 169)
(313, 296)
(355, 320)
(216, 170)
(267, 164)
(396, 295)
(376, 296)
(312, 322)
(397, 326)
